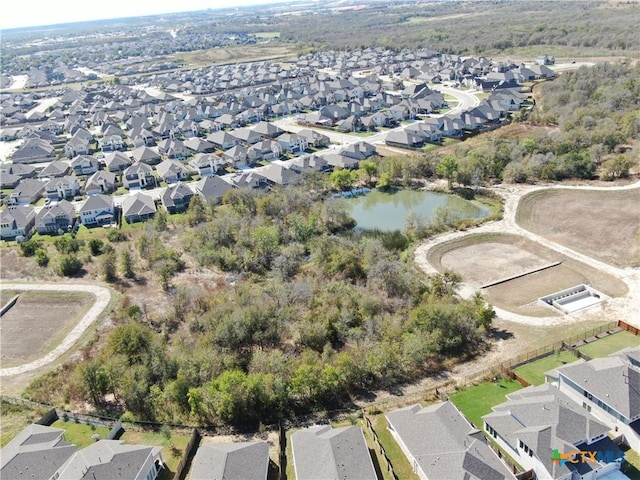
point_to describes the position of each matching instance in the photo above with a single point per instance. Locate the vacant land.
(37, 323)
(14, 418)
(476, 401)
(80, 434)
(610, 344)
(533, 372)
(239, 54)
(602, 224)
(483, 258)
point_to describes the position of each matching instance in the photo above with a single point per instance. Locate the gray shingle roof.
(609, 379)
(37, 452)
(323, 453)
(545, 419)
(231, 461)
(457, 451)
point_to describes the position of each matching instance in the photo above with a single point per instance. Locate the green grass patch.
(267, 35)
(476, 401)
(533, 372)
(171, 455)
(631, 467)
(361, 134)
(610, 344)
(401, 465)
(79, 433)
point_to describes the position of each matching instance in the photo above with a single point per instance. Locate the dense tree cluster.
(312, 313)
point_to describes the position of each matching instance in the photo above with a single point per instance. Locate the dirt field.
(602, 224)
(37, 323)
(483, 258)
(245, 53)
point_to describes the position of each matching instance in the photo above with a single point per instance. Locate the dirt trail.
(624, 308)
(103, 297)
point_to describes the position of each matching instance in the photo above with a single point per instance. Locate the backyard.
(80, 434)
(172, 449)
(610, 344)
(533, 372)
(476, 401)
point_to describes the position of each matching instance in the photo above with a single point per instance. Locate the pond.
(387, 211)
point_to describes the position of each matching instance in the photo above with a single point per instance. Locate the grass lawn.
(534, 372)
(78, 433)
(401, 465)
(612, 343)
(476, 401)
(171, 456)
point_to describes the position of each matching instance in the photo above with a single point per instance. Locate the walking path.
(103, 297)
(624, 308)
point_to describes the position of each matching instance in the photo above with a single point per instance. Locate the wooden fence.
(188, 454)
(387, 465)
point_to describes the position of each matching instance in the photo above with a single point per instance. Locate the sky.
(14, 13)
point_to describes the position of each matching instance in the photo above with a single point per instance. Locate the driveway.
(103, 297)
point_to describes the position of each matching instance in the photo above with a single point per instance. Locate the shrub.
(28, 248)
(42, 258)
(69, 265)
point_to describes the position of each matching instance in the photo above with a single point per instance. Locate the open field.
(602, 224)
(476, 401)
(533, 372)
(239, 54)
(38, 322)
(79, 433)
(484, 258)
(13, 418)
(610, 344)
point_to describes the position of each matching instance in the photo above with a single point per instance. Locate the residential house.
(457, 451)
(339, 160)
(310, 162)
(206, 164)
(117, 161)
(176, 197)
(172, 171)
(111, 143)
(84, 165)
(248, 179)
(264, 150)
(359, 150)
(17, 221)
(268, 130)
(292, 142)
(55, 169)
(63, 187)
(405, 139)
(146, 155)
(314, 138)
(80, 144)
(173, 148)
(325, 452)
(607, 388)
(34, 150)
(198, 145)
(231, 461)
(98, 210)
(28, 191)
(138, 208)
(36, 453)
(537, 425)
(223, 140)
(247, 136)
(279, 175)
(54, 218)
(212, 189)
(112, 459)
(138, 175)
(100, 182)
(236, 156)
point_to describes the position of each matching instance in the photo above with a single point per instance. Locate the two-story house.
(97, 210)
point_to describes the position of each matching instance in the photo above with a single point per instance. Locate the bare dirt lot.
(602, 224)
(482, 258)
(37, 323)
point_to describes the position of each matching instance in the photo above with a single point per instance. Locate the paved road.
(103, 297)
